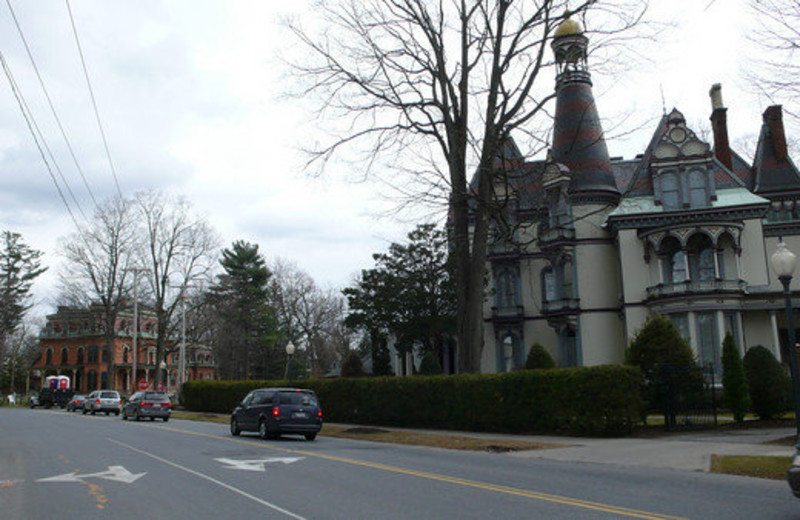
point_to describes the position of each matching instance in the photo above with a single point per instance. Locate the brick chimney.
(773, 118)
(719, 125)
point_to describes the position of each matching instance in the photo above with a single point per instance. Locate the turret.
(578, 140)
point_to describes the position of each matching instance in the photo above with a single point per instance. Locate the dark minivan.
(275, 411)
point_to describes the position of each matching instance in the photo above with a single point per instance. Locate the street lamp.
(290, 348)
(784, 263)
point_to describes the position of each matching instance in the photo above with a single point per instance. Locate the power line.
(50, 102)
(25, 115)
(94, 102)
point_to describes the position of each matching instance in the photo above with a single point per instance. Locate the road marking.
(575, 502)
(115, 473)
(211, 479)
(256, 464)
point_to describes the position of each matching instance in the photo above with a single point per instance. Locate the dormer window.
(698, 188)
(690, 189)
(670, 191)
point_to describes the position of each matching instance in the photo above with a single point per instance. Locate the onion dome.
(568, 27)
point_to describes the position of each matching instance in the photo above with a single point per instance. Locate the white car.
(107, 401)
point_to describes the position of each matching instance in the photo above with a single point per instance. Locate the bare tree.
(446, 81)
(97, 262)
(179, 249)
(310, 317)
(777, 36)
(23, 351)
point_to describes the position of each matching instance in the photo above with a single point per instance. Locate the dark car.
(147, 404)
(793, 475)
(274, 411)
(76, 403)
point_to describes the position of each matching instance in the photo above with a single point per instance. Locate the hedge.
(595, 401)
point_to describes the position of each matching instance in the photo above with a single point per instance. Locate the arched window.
(507, 294)
(508, 352)
(48, 357)
(105, 354)
(64, 356)
(125, 352)
(701, 258)
(80, 355)
(91, 381)
(673, 261)
(670, 191)
(104, 380)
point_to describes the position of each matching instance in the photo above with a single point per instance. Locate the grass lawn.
(761, 467)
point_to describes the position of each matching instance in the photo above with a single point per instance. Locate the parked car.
(147, 404)
(107, 401)
(33, 400)
(274, 411)
(793, 475)
(76, 403)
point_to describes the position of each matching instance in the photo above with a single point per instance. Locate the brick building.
(73, 343)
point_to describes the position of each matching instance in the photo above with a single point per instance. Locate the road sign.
(143, 384)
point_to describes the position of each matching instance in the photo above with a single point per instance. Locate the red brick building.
(73, 343)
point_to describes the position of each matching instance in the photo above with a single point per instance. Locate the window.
(105, 354)
(698, 189)
(567, 348)
(48, 357)
(549, 284)
(104, 380)
(708, 341)
(80, 355)
(64, 356)
(93, 351)
(670, 192)
(508, 353)
(91, 380)
(678, 267)
(125, 355)
(507, 294)
(559, 212)
(681, 322)
(701, 258)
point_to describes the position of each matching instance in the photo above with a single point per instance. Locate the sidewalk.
(688, 451)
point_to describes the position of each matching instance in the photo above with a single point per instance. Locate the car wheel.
(262, 429)
(84, 411)
(137, 417)
(108, 413)
(116, 413)
(93, 412)
(152, 419)
(166, 419)
(311, 436)
(235, 428)
(124, 416)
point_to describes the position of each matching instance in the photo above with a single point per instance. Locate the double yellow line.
(574, 502)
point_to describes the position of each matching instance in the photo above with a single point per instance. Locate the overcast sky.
(190, 98)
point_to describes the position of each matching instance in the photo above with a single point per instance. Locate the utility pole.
(136, 271)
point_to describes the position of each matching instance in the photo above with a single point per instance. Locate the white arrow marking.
(256, 464)
(115, 473)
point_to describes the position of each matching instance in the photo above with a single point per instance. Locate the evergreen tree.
(19, 267)
(245, 341)
(770, 386)
(352, 365)
(539, 357)
(429, 365)
(658, 343)
(735, 392)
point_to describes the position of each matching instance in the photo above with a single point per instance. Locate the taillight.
(145, 403)
(276, 411)
(166, 405)
(97, 402)
(319, 413)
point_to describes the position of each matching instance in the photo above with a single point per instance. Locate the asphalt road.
(54, 464)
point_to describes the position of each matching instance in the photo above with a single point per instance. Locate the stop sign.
(143, 384)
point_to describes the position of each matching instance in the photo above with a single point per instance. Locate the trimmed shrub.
(735, 393)
(429, 365)
(539, 357)
(598, 401)
(352, 365)
(770, 385)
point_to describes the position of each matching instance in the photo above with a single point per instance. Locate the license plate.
(299, 415)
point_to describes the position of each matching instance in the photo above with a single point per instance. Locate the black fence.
(688, 397)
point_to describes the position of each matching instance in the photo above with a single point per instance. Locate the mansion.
(685, 229)
(74, 344)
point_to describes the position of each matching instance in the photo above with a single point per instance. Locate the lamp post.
(290, 348)
(784, 263)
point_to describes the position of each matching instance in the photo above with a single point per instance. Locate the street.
(55, 464)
